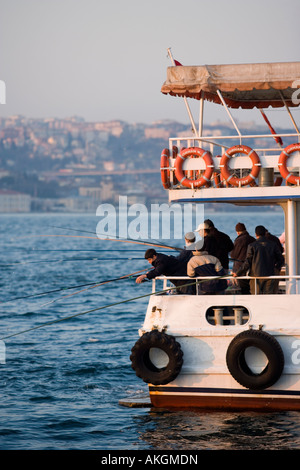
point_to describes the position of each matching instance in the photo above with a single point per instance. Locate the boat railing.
(217, 146)
(211, 142)
(287, 284)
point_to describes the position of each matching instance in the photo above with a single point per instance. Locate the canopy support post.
(201, 115)
(229, 114)
(291, 244)
(185, 99)
(290, 114)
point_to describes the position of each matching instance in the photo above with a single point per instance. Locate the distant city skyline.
(107, 61)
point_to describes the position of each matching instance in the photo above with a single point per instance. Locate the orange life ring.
(232, 180)
(164, 167)
(194, 152)
(164, 171)
(282, 163)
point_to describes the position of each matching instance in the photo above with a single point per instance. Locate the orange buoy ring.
(282, 164)
(164, 167)
(232, 180)
(164, 171)
(194, 152)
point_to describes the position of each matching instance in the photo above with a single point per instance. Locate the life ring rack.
(237, 364)
(205, 178)
(144, 367)
(282, 164)
(227, 175)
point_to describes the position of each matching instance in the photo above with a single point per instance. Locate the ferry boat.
(229, 351)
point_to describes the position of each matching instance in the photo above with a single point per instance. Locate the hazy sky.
(107, 59)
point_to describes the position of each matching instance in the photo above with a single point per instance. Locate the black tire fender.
(237, 365)
(141, 362)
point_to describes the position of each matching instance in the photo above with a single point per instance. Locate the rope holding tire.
(144, 367)
(238, 367)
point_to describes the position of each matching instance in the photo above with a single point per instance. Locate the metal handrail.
(206, 139)
(211, 139)
(284, 277)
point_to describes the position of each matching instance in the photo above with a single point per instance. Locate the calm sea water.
(61, 384)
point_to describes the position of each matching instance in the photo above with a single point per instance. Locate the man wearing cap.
(209, 242)
(224, 243)
(203, 264)
(184, 256)
(262, 259)
(187, 252)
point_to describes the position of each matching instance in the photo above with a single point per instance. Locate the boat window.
(227, 315)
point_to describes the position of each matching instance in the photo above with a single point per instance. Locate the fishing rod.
(122, 239)
(92, 287)
(34, 250)
(90, 311)
(21, 263)
(71, 287)
(107, 306)
(132, 240)
(109, 239)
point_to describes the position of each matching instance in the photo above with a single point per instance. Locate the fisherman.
(275, 239)
(262, 259)
(224, 244)
(165, 265)
(184, 257)
(203, 264)
(209, 242)
(187, 252)
(238, 254)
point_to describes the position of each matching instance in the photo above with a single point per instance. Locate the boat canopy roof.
(242, 85)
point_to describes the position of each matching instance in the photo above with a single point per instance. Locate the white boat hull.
(204, 380)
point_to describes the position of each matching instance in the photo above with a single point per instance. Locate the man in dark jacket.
(187, 252)
(224, 244)
(275, 239)
(209, 242)
(238, 254)
(184, 256)
(165, 265)
(262, 259)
